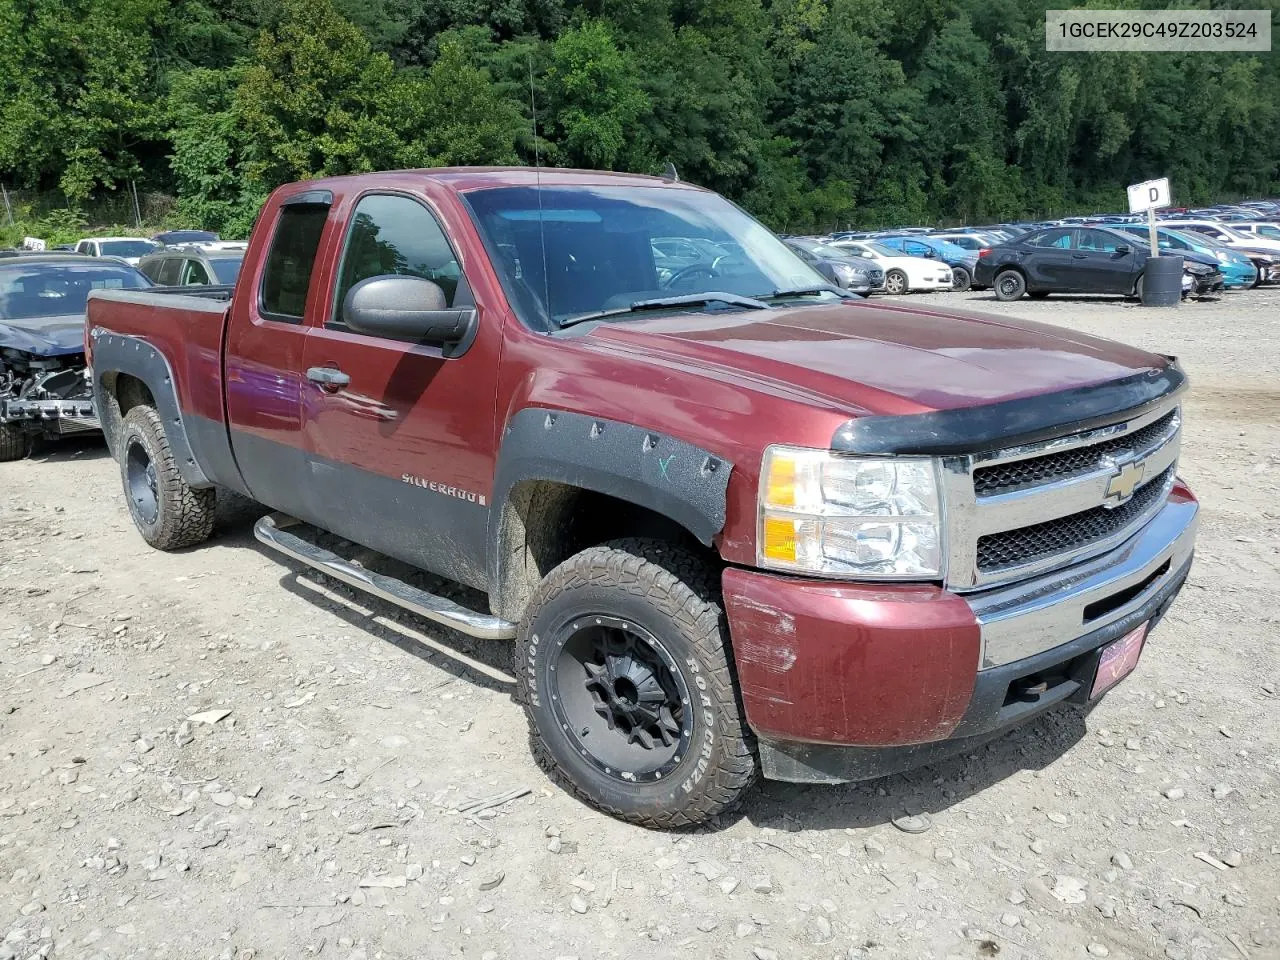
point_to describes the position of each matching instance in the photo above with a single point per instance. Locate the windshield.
(54, 290)
(575, 251)
(875, 249)
(226, 269)
(127, 248)
(968, 241)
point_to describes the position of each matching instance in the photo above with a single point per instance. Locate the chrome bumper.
(1028, 618)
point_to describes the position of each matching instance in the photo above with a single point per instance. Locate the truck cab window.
(287, 275)
(394, 235)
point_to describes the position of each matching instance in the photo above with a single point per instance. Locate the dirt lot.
(206, 756)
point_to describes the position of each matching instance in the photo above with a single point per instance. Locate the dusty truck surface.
(736, 521)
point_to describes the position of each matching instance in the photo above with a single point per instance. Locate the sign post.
(1150, 196)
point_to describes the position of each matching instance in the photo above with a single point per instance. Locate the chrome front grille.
(1013, 548)
(1068, 463)
(1016, 512)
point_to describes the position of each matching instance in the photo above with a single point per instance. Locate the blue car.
(1238, 271)
(961, 261)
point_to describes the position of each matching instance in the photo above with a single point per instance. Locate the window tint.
(287, 275)
(1095, 241)
(226, 269)
(168, 275)
(396, 236)
(194, 272)
(1055, 239)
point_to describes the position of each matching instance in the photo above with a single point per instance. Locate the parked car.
(128, 249)
(1238, 271)
(961, 261)
(44, 390)
(1076, 260)
(902, 274)
(192, 264)
(971, 241)
(172, 237)
(1265, 229)
(712, 517)
(855, 274)
(1225, 234)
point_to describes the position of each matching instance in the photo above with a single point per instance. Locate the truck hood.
(44, 336)
(865, 358)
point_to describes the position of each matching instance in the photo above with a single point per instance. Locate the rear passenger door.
(263, 365)
(399, 451)
(1048, 261)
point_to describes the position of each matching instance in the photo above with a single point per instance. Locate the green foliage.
(811, 113)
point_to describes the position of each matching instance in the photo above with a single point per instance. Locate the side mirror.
(1123, 249)
(405, 308)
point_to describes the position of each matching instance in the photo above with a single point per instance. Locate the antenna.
(537, 174)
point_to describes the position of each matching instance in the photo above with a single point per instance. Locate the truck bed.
(187, 328)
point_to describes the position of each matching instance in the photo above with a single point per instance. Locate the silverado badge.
(1123, 482)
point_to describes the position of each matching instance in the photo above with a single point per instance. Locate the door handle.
(1079, 256)
(331, 378)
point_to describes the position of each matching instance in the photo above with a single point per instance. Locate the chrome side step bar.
(271, 531)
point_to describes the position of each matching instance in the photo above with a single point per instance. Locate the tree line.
(810, 113)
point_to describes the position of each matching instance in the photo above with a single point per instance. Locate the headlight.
(1222, 256)
(844, 516)
(848, 274)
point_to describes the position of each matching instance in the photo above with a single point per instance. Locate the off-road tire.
(960, 279)
(14, 442)
(184, 515)
(1009, 285)
(898, 278)
(676, 597)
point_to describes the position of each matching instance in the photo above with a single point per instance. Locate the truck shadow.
(931, 789)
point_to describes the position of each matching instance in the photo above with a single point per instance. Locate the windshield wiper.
(808, 292)
(662, 303)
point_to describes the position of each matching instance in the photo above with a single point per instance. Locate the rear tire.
(895, 282)
(1137, 289)
(1010, 285)
(168, 512)
(14, 442)
(625, 675)
(960, 279)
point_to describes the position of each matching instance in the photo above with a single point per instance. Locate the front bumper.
(851, 681)
(57, 417)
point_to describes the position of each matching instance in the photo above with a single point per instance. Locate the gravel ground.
(211, 755)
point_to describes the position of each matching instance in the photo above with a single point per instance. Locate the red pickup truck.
(736, 520)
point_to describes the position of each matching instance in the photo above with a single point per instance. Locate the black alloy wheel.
(619, 697)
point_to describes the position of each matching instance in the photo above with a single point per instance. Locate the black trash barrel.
(1162, 282)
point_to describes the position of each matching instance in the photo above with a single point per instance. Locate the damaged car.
(44, 387)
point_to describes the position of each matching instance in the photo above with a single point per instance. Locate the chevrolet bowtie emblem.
(1123, 482)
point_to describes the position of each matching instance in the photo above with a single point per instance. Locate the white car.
(128, 249)
(1228, 234)
(901, 274)
(1260, 229)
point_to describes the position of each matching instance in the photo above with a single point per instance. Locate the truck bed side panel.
(187, 332)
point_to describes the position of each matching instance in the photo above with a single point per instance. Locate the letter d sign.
(1153, 195)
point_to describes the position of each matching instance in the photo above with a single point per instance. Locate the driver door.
(399, 437)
